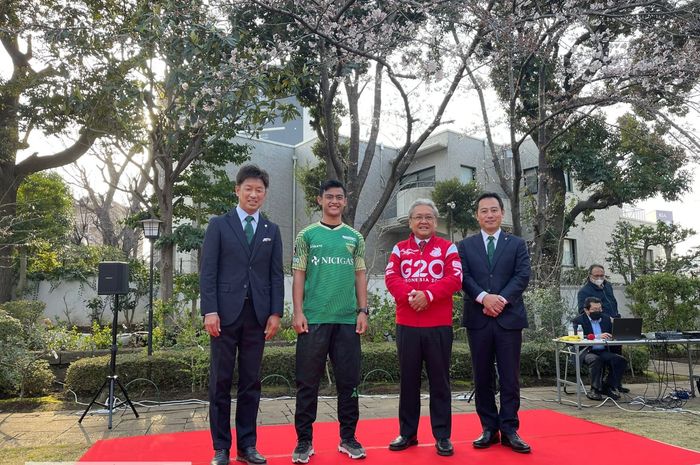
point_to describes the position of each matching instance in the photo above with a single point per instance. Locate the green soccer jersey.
(330, 258)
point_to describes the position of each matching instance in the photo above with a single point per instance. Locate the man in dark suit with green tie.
(242, 299)
(496, 271)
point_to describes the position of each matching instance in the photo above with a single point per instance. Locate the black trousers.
(432, 346)
(245, 338)
(341, 343)
(494, 343)
(597, 361)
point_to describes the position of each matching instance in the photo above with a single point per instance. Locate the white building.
(446, 154)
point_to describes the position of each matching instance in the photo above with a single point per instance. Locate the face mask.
(598, 282)
(595, 315)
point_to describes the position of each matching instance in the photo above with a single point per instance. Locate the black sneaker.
(353, 448)
(302, 452)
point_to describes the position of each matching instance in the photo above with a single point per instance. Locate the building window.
(530, 178)
(466, 174)
(569, 253)
(568, 182)
(422, 178)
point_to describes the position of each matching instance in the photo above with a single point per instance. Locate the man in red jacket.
(423, 273)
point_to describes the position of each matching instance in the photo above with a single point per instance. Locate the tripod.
(112, 378)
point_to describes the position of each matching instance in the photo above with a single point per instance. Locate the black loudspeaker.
(113, 278)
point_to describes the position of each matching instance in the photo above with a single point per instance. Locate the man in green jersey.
(329, 292)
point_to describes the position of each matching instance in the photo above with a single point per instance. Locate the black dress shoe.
(594, 395)
(221, 457)
(611, 393)
(515, 442)
(487, 438)
(623, 390)
(444, 447)
(250, 455)
(403, 442)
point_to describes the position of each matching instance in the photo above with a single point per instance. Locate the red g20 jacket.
(437, 271)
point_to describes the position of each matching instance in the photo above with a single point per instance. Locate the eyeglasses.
(420, 218)
(597, 276)
(338, 197)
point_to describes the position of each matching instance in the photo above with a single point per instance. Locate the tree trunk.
(22, 278)
(8, 210)
(164, 193)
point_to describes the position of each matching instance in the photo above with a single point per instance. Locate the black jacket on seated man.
(599, 357)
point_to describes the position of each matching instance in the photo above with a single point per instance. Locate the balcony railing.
(406, 196)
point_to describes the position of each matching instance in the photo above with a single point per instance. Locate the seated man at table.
(597, 357)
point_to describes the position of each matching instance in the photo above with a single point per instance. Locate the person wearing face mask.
(597, 357)
(597, 286)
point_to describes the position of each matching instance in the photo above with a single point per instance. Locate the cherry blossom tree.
(391, 50)
(555, 66)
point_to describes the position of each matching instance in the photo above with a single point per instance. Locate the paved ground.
(62, 427)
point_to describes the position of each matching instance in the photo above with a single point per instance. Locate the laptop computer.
(626, 329)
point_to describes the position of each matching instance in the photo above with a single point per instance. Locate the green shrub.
(101, 336)
(177, 369)
(382, 320)
(11, 347)
(27, 312)
(9, 376)
(638, 357)
(10, 328)
(461, 364)
(379, 359)
(37, 380)
(666, 301)
(22, 373)
(168, 370)
(546, 312)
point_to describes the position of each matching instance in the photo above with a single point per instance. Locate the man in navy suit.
(496, 268)
(595, 321)
(242, 299)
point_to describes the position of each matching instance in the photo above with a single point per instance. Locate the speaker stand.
(112, 378)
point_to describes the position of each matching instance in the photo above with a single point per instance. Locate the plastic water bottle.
(572, 330)
(579, 331)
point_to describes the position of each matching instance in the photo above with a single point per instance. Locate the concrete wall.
(73, 295)
(67, 300)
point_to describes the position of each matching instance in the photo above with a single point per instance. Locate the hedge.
(189, 368)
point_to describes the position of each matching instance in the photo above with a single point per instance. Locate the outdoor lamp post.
(151, 230)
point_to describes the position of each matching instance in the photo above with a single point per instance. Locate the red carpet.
(556, 439)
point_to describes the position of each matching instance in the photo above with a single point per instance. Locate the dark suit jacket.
(585, 322)
(508, 276)
(232, 269)
(606, 296)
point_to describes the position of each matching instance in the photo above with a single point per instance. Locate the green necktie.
(249, 233)
(490, 249)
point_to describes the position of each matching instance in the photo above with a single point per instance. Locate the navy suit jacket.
(508, 276)
(605, 326)
(231, 269)
(585, 322)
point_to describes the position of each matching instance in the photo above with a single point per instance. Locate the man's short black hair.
(489, 195)
(252, 171)
(591, 300)
(593, 266)
(330, 184)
